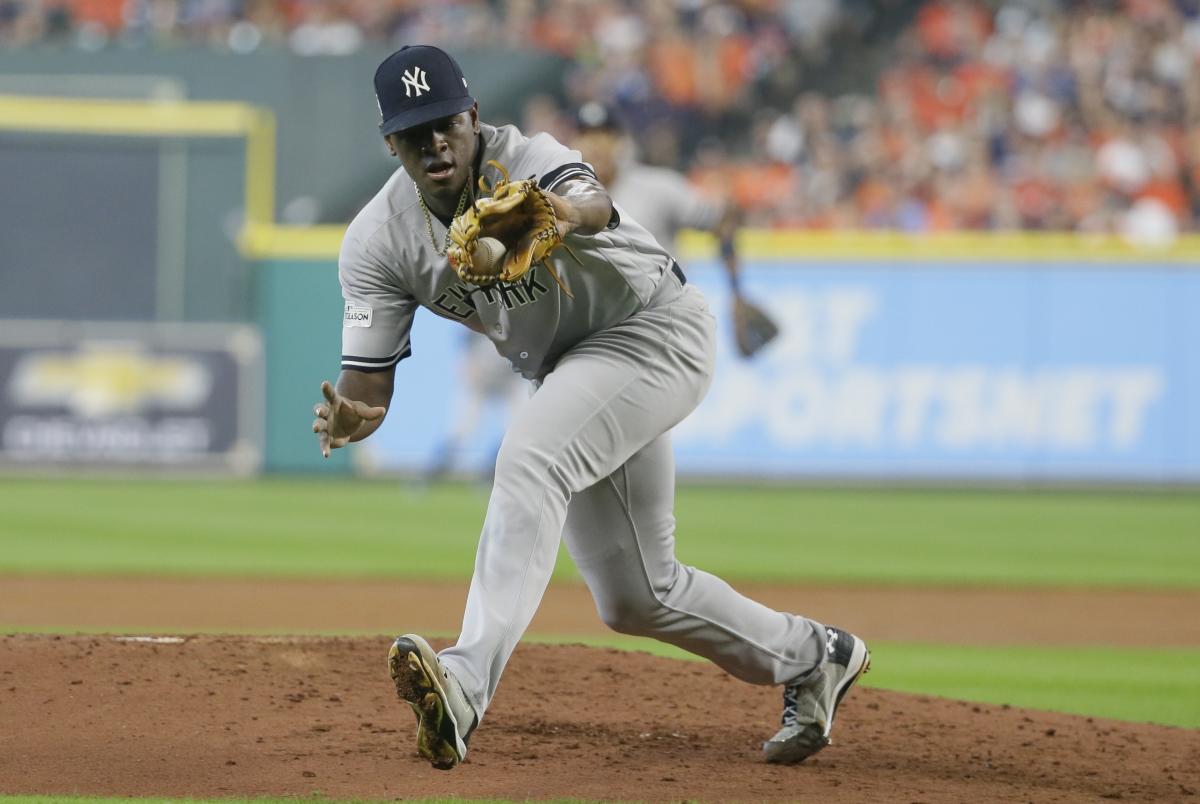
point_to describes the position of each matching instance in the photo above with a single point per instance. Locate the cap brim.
(425, 114)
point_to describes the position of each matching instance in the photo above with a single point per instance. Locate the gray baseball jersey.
(587, 458)
(662, 201)
(389, 266)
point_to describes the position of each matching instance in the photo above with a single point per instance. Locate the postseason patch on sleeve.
(356, 315)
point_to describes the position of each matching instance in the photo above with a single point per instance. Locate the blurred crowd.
(946, 114)
(1025, 115)
(575, 28)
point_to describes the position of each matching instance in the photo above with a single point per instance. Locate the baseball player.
(664, 202)
(587, 305)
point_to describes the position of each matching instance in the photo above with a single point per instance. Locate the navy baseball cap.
(419, 84)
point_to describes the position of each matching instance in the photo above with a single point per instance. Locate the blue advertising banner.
(1008, 371)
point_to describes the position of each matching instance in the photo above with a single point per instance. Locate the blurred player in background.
(665, 202)
(486, 382)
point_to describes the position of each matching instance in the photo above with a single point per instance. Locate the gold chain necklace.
(462, 204)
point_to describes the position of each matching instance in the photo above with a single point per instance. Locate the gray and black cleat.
(444, 718)
(809, 705)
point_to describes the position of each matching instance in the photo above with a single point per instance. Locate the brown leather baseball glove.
(519, 215)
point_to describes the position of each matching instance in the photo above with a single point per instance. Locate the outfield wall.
(1008, 366)
(157, 156)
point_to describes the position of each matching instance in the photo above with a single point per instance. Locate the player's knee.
(633, 614)
(517, 462)
(524, 466)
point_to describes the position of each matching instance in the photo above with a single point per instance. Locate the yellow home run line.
(957, 246)
(274, 242)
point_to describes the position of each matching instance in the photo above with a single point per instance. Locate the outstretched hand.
(339, 418)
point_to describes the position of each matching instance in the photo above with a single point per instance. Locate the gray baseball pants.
(588, 458)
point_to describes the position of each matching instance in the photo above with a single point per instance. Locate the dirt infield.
(250, 716)
(965, 616)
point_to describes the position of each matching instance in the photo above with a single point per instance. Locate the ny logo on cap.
(414, 81)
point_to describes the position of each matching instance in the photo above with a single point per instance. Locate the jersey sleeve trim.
(373, 364)
(572, 170)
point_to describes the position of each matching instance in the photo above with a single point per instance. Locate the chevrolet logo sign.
(109, 379)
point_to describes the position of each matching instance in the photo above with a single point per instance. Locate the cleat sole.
(437, 734)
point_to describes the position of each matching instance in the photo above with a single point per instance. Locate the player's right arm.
(376, 322)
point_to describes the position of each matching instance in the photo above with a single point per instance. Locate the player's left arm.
(725, 231)
(752, 327)
(582, 205)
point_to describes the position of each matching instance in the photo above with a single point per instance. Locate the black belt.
(675, 269)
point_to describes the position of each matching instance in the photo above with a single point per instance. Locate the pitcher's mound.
(245, 716)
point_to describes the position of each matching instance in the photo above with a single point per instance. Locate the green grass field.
(1139, 684)
(339, 528)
